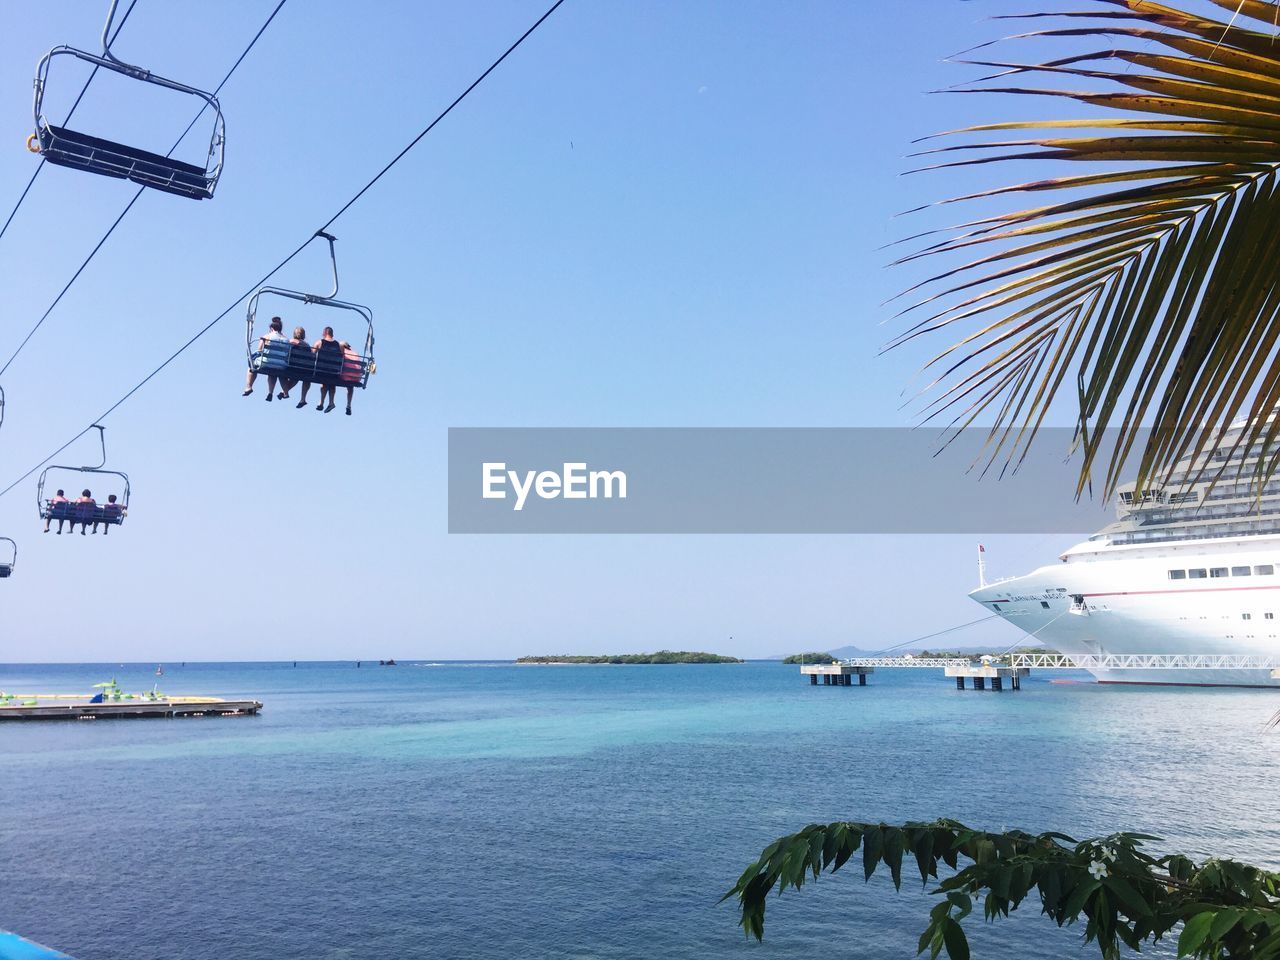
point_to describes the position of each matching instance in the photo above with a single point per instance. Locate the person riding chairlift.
(85, 505)
(110, 512)
(58, 499)
(297, 347)
(327, 345)
(274, 332)
(352, 367)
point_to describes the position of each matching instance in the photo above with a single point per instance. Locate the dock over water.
(1008, 670)
(80, 708)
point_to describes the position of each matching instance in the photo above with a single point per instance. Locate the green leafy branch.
(1228, 910)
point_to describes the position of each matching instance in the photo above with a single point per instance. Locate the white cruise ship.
(1191, 566)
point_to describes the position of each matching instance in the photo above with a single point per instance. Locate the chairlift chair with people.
(88, 512)
(8, 557)
(293, 361)
(70, 148)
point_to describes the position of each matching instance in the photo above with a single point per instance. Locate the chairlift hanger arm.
(102, 439)
(333, 260)
(106, 35)
(42, 72)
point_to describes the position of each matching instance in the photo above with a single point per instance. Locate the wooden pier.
(836, 674)
(82, 709)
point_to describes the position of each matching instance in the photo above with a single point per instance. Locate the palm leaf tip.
(1177, 324)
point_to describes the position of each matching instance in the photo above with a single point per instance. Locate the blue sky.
(653, 214)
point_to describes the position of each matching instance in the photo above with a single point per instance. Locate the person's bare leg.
(248, 382)
(271, 387)
(351, 392)
(306, 386)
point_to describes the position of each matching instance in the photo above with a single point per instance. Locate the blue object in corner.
(14, 947)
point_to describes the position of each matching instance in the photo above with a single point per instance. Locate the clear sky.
(653, 214)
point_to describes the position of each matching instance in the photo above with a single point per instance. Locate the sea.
(489, 810)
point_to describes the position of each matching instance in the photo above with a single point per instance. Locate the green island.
(662, 656)
(809, 658)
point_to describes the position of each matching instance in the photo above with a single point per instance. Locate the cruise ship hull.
(1130, 604)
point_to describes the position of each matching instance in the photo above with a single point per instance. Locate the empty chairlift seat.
(70, 148)
(8, 560)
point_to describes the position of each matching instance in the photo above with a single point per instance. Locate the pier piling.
(980, 672)
(835, 674)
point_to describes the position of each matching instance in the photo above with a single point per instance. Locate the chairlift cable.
(930, 636)
(70, 113)
(302, 246)
(444, 113)
(129, 206)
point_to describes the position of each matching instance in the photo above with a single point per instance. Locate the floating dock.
(80, 708)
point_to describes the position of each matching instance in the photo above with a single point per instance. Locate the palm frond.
(1153, 286)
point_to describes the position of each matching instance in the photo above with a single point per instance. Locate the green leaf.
(1050, 888)
(1079, 895)
(1223, 921)
(893, 855)
(962, 902)
(925, 938)
(1194, 932)
(872, 843)
(956, 942)
(924, 857)
(1128, 897)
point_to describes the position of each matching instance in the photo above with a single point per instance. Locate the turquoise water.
(488, 810)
